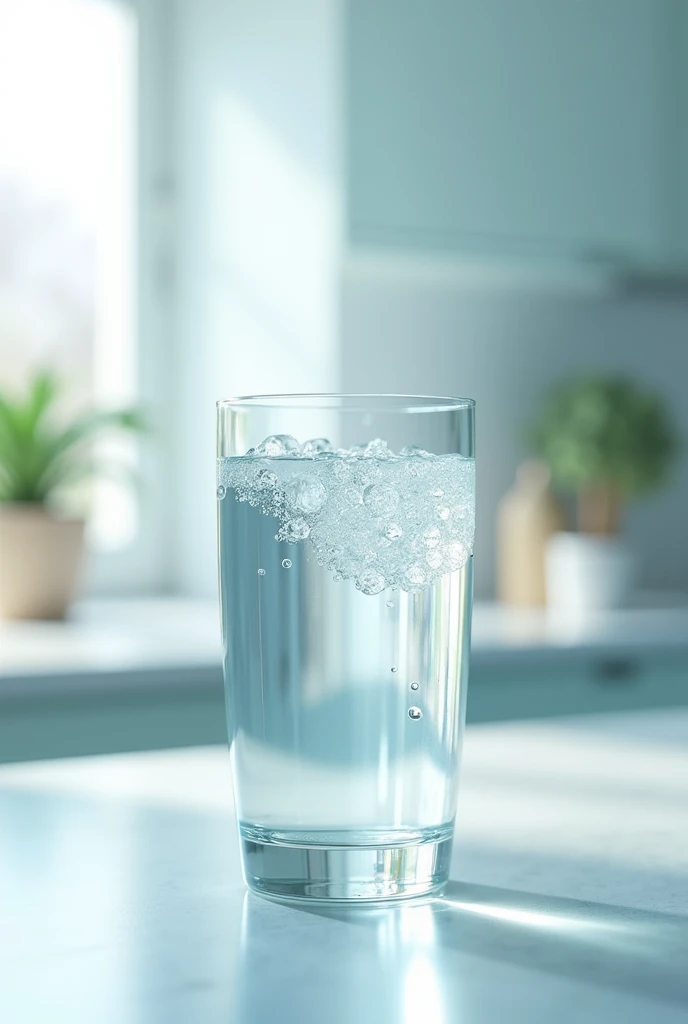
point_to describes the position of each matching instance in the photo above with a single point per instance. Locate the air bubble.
(415, 576)
(316, 446)
(277, 446)
(286, 563)
(366, 518)
(380, 500)
(261, 572)
(295, 530)
(415, 713)
(221, 491)
(366, 472)
(434, 559)
(389, 604)
(353, 496)
(432, 537)
(414, 686)
(457, 555)
(267, 479)
(377, 449)
(393, 668)
(392, 531)
(309, 495)
(370, 582)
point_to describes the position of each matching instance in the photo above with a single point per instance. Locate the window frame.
(143, 566)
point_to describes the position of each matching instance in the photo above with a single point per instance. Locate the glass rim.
(356, 402)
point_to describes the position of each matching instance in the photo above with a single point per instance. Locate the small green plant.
(38, 457)
(607, 440)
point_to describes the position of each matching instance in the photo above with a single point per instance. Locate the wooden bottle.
(527, 516)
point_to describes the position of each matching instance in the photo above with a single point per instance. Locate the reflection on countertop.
(122, 898)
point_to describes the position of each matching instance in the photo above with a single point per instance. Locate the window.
(68, 210)
(70, 270)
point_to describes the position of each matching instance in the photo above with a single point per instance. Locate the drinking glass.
(346, 528)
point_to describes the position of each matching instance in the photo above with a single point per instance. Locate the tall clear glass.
(346, 528)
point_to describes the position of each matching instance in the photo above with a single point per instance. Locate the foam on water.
(380, 519)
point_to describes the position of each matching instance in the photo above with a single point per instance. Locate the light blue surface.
(122, 902)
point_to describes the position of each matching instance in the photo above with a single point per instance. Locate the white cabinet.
(543, 128)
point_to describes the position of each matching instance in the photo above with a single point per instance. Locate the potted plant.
(41, 549)
(609, 441)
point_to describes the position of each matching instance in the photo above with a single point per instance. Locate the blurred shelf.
(655, 624)
(146, 674)
(170, 643)
(157, 643)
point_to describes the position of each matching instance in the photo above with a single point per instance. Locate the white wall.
(258, 229)
(410, 328)
(262, 304)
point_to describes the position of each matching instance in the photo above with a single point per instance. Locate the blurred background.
(205, 198)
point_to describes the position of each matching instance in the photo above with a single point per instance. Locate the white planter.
(587, 574)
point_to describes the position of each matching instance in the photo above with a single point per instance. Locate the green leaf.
(84, 429)
(599, 431)
(36, 457)
(41, 396)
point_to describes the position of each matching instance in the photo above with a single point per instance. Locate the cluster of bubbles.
(381, 519)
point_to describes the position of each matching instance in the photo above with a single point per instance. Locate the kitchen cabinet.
(534, 128)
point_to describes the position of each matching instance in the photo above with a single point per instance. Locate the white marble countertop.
(170, 643)
(122, 900)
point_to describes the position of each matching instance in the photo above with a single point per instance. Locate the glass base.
(345, 873)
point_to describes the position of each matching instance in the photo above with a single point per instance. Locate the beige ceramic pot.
(40, 562)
